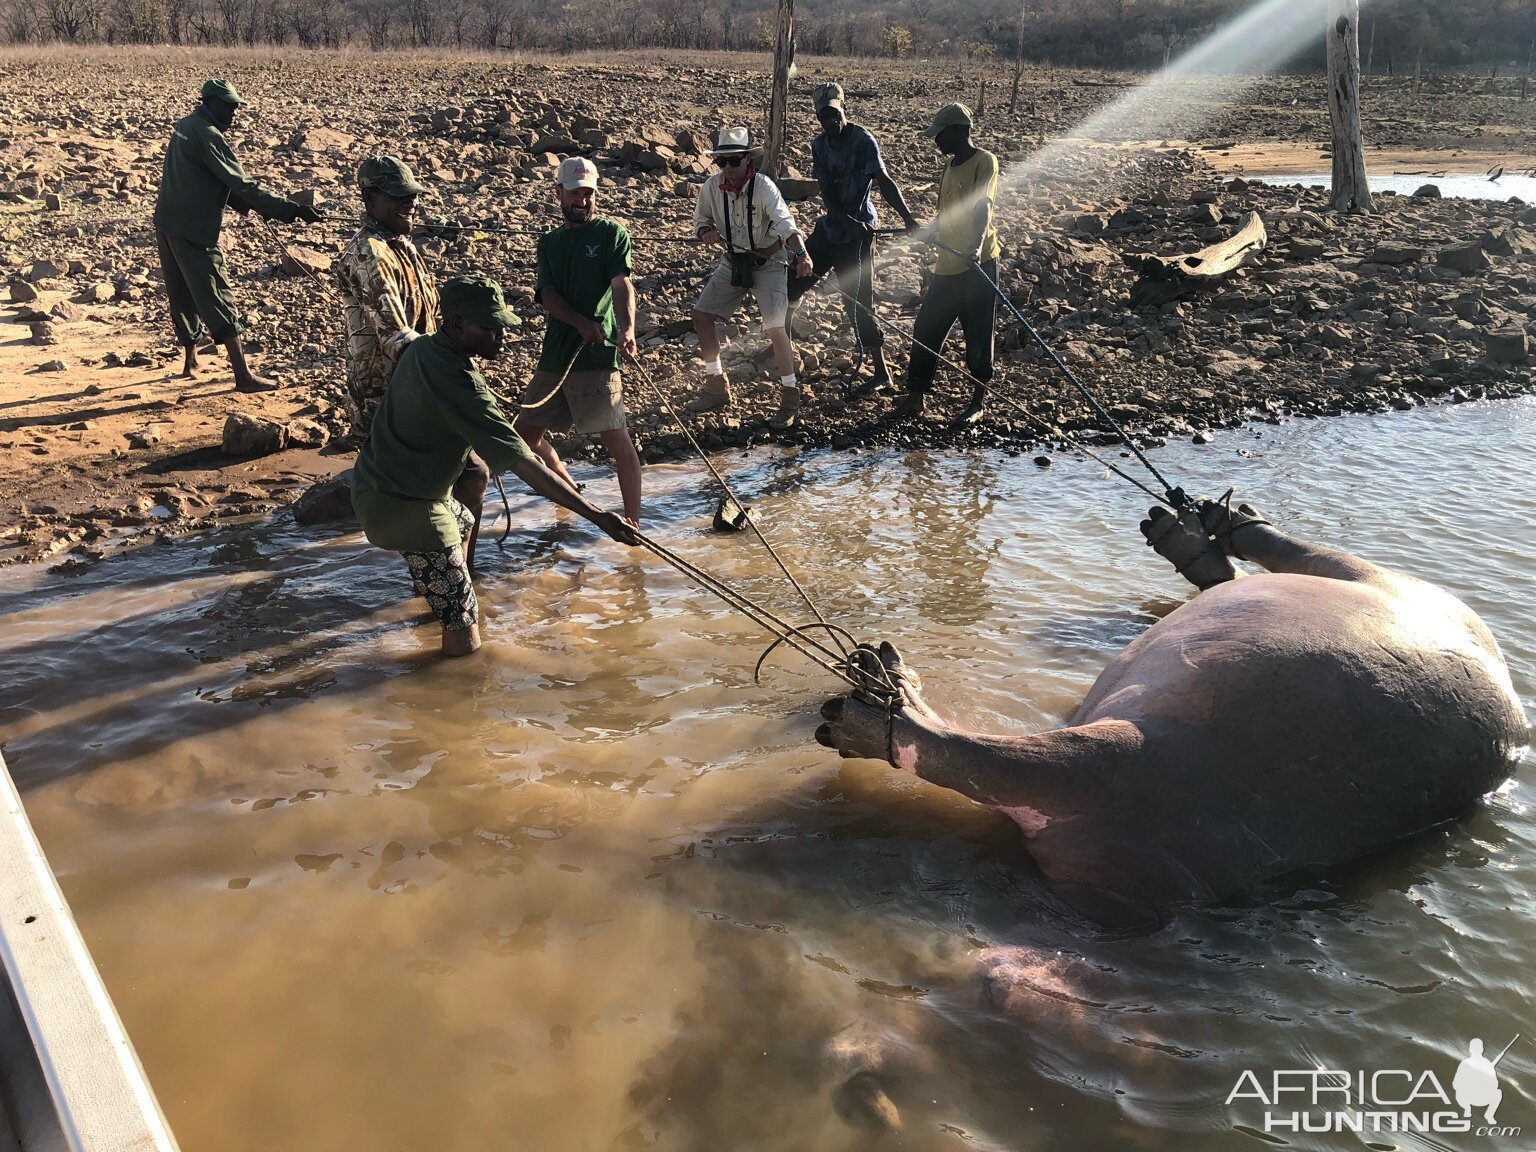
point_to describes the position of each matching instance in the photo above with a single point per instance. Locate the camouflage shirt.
(390, 299)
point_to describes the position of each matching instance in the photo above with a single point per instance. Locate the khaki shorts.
(770, 285)
(588, 401)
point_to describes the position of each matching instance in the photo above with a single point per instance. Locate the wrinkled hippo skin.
(1301, 716)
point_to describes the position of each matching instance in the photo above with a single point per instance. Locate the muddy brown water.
(594, 889)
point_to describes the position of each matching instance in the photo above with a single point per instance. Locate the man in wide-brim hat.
(742, 212)
(200, 179)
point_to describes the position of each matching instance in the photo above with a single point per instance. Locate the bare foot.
(256, 384)
(189, 364)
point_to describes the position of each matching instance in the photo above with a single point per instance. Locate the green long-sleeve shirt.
(201, 176)
(436, 408)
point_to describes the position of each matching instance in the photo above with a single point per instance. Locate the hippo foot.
(860, 724)
(884, 677)
(1182, 541)
(1221, 520)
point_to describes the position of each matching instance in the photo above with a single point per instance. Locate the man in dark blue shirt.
(845, 160)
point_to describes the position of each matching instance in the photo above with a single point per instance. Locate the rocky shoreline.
(1424, 301)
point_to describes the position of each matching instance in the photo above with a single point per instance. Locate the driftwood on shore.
(1165, 278)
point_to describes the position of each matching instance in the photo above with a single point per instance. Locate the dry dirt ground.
(1339, 313)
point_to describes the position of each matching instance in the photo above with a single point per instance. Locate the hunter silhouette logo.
(1477, 1083)
(591, 251)
(1384, 1100)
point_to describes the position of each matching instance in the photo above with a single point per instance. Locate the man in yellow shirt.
(967, 193)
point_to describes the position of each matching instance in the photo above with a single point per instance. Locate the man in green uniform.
(967, 193)
(438, 406)
(200, 178)
(583, 280)
(389, 299)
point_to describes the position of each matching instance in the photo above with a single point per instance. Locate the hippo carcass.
(1301, 716)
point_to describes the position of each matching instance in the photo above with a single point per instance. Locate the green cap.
(827, 96)
(389, 175)
(948, 116)
(478, 299)
(221, 90)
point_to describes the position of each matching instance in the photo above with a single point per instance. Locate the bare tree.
(1351, 188)
(423, 20)
(72, 20)
(1018, 55)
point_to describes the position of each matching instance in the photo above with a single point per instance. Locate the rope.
(840, 664)
(560, 383)
(745, 511)
(1174, 497)
(852, 309)
(303, 267)
(1051, 430)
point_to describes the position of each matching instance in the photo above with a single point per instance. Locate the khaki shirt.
(770, 220)
(200, 177)
(388, 299)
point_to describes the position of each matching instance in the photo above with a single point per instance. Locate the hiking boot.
(788, 414)
(715, 394)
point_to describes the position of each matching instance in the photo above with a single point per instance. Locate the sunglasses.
(729, 161)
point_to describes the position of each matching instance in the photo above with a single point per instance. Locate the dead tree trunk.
(1525, 80)
(783, 61)
(1351, 188)
(1018, 58)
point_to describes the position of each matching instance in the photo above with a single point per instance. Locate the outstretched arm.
(892, 196)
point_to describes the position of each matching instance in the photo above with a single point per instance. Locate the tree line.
(1396, 36)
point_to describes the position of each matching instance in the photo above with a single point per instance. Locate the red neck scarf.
(745, 173)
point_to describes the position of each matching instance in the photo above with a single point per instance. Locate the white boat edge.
(70, 1080)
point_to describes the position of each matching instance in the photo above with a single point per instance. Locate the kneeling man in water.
(437, 407)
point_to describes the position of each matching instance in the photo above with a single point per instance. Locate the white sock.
(712, 368)
(789, 381)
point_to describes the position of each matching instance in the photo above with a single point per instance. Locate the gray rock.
(1427, 191)
(304, 261)
(307, 434)
(44, 270)
(1395, 254)
(1505, 345)
(247, 435)
(1464, 258)
(22, 292)
(326, 502)
(42, 333)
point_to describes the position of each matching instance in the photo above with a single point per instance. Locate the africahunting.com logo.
(1385, 1100)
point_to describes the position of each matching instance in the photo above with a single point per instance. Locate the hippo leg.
(1049, 775)
(1244, 533)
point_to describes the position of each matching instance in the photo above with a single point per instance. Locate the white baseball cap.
(576, 172)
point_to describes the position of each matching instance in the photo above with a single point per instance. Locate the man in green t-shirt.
(437, 407)
(583, 282)
(201, 177)
(967, 193)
